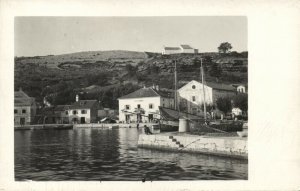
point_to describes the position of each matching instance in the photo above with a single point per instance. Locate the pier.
(235, 147)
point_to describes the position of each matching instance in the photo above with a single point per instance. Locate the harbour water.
(109, 155)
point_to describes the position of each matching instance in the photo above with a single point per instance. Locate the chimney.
(153, 86)
(157, 87)
(144, 86)
(77, 98)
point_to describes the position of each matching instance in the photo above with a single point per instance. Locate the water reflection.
(94, 154)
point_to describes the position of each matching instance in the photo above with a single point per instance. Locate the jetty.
(235, 147)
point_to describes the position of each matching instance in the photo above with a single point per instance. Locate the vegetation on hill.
(112, 74)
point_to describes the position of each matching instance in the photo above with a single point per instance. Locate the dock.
(235, 147)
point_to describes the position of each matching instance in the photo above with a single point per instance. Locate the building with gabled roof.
(83, 111)
(143, 104)
(24, 108)
(184, 48)
(191, 95)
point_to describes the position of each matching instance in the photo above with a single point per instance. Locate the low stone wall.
(224, 146)
(97, 125)
(43, 126)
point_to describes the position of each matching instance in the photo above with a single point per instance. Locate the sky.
(38, 36)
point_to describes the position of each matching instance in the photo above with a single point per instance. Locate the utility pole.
(202, 76)
(175, 95)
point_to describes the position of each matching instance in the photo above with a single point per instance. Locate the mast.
(175, 78)
(202, 77)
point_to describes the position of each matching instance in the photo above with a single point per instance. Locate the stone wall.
(225, 146)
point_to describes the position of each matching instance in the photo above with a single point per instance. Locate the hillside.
(110, 74)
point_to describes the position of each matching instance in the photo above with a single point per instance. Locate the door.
(150, 116)
(22, 121)
(82, 120)
(127, 118)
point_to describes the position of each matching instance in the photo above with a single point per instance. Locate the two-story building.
(83, 111)
(143, 104)
(191, 96)
(24, 108)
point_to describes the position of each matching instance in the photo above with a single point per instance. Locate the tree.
(224, 104)
(241, 101)
(224, 47)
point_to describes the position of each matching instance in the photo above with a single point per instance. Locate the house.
(143, 104)
(184, 48)
(240, 88)
(83, 111)
(24, 108)
(191, 95)
(171, 50)
(62, 113)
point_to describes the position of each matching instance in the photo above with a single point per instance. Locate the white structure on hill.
(143, 104)
(191, 99)
(184, 48)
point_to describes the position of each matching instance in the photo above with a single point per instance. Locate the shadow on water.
(94, 154)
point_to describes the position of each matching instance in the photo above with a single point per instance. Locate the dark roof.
(61, 107)
(147, 92)
(83, 104)
(143, 92)
(186, 46)
(218, 86)
(174, 115)
(172, 48)
(22, 99)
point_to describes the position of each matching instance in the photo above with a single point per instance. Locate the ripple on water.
(89, 154)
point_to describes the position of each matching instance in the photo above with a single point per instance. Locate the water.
(94, 154)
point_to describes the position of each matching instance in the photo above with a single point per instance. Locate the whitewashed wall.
(187, 92)
(144, 102)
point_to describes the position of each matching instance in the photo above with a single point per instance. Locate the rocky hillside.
(59, 77)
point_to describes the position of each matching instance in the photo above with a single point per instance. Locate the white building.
(184, 48)
(171, 50)
(241, 89)
(191, 95)
(143, 105)
(83, 111)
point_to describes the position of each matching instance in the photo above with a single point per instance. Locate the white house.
(171, 50)
(185, 48)
(83, 111)
(241, 89)
(191, 96)
(143, 105)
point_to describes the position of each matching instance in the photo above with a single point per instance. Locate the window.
(163, 105)
(23, 110)
(127, 107)
(83, 111)
(194, 87)
(67, 112)
(74, 112)
(139, 106)
(150, 106)
(15, 111)
(194, 98)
